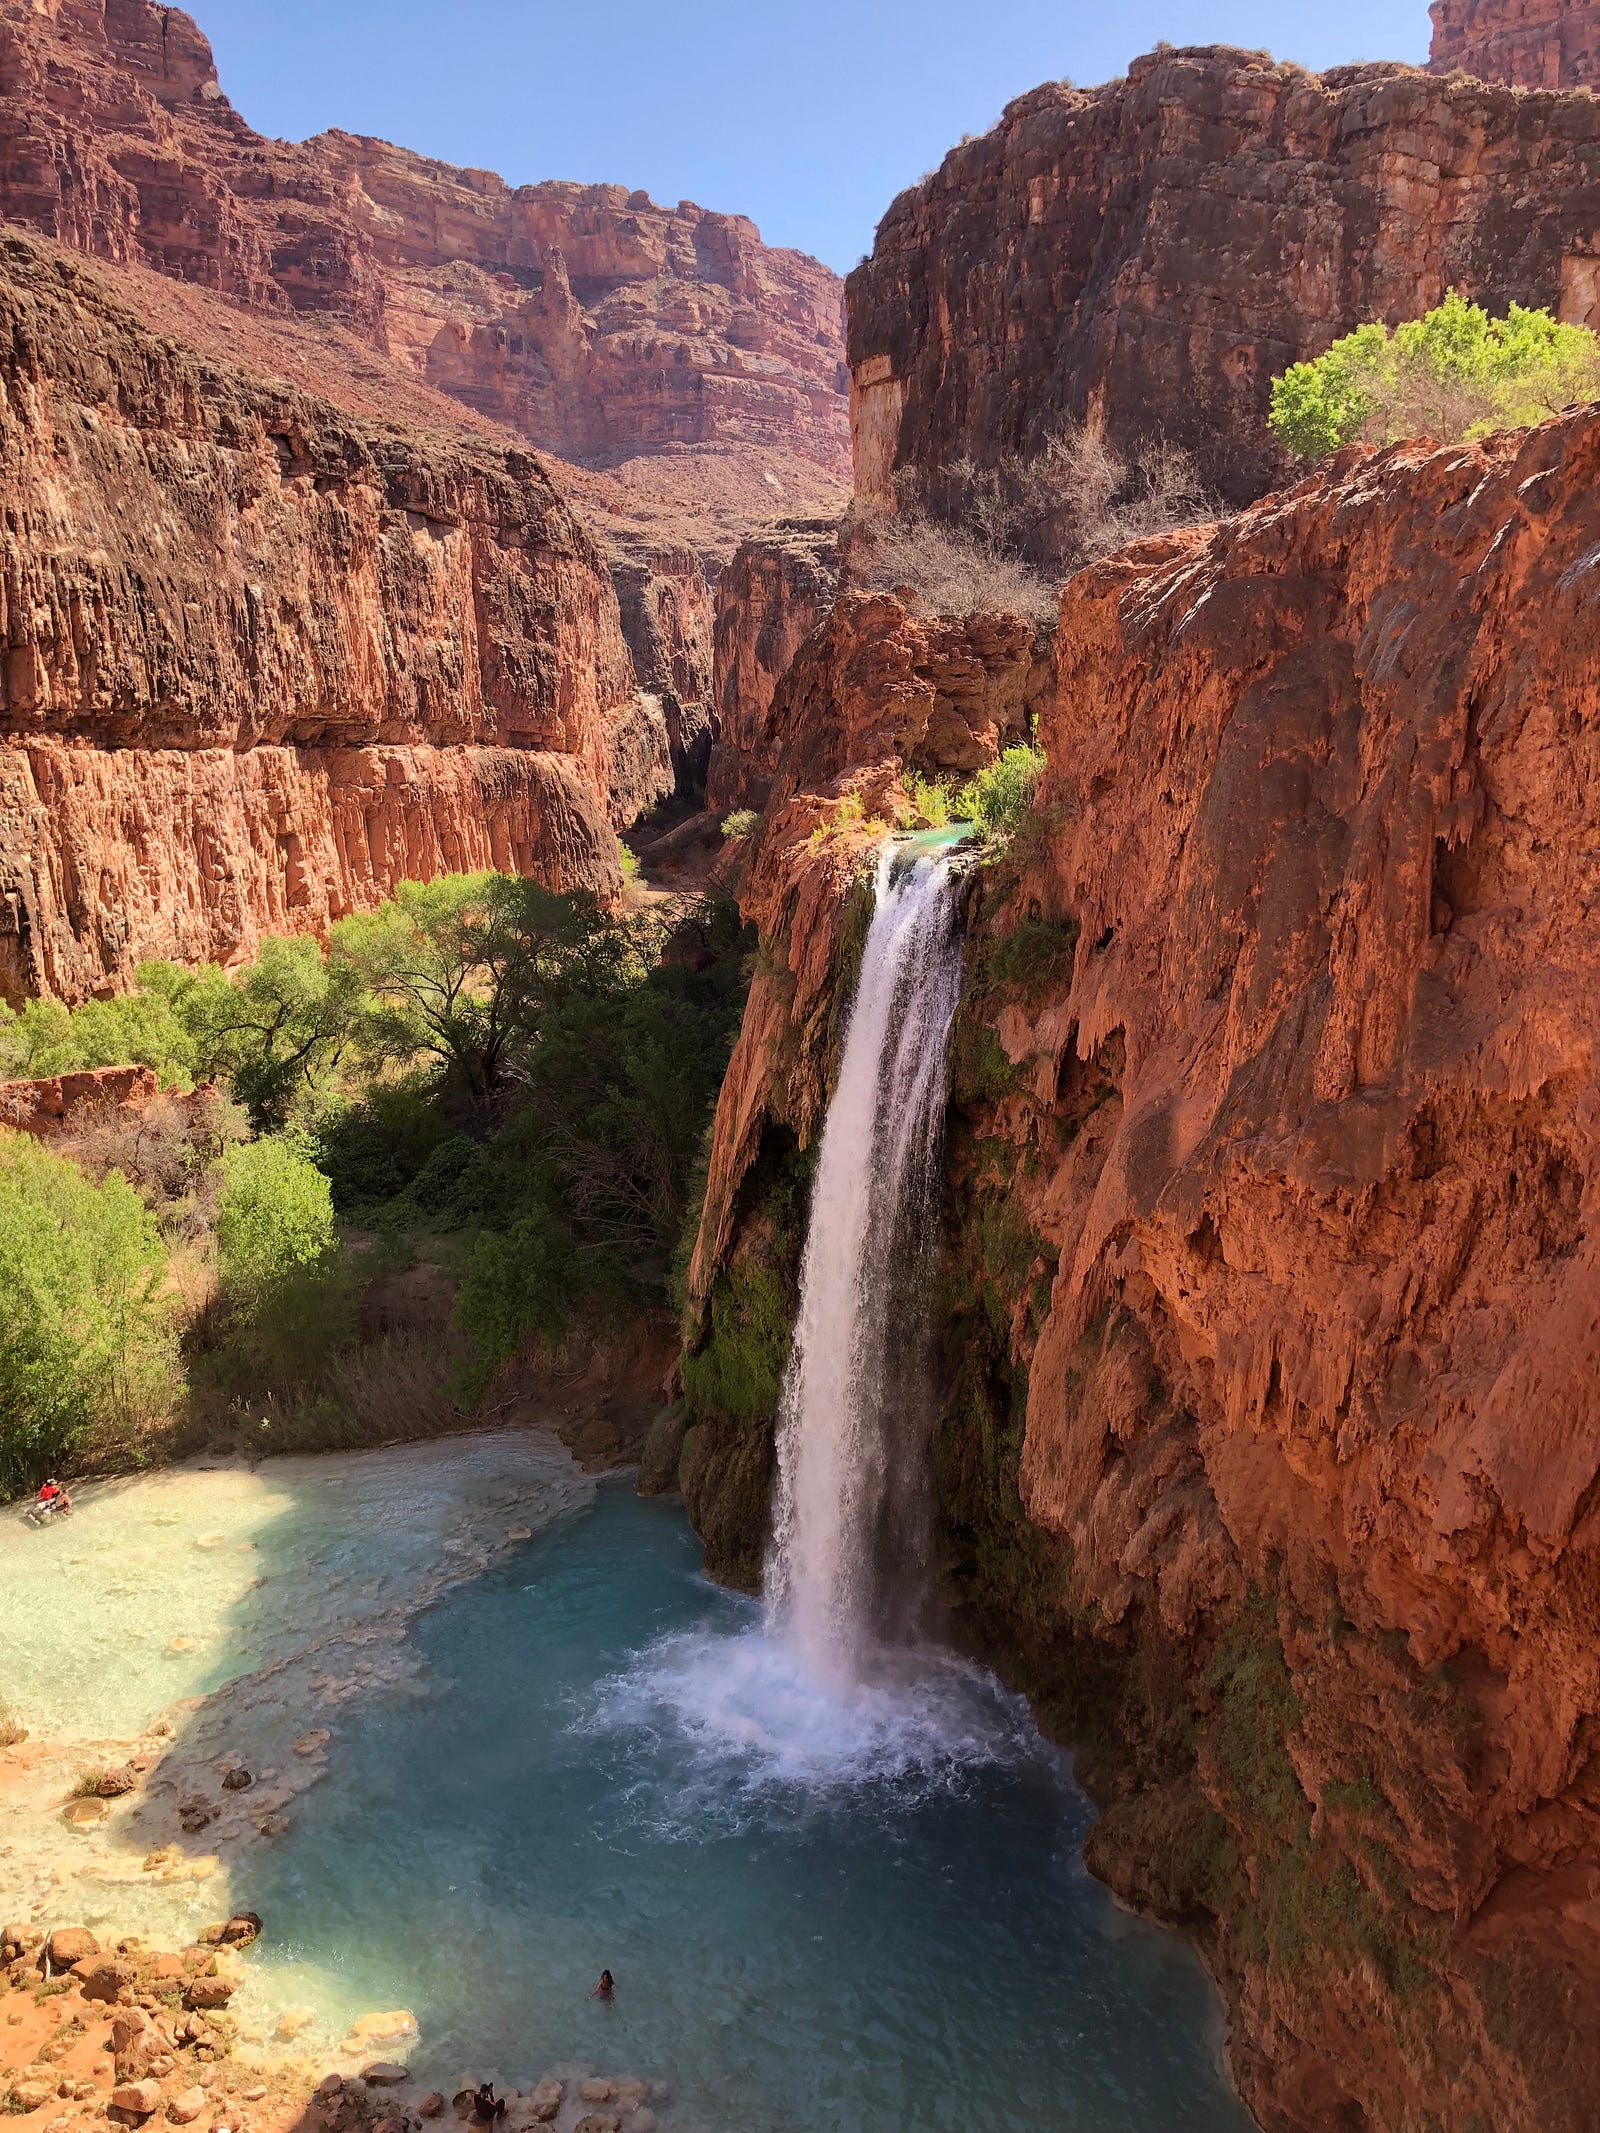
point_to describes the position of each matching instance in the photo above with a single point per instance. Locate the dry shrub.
(951, 572)
(1076, 499)
(168, 1150)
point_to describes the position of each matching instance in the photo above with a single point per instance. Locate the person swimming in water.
(606, 1988)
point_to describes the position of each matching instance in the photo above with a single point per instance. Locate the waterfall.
(849, 1509)
(833, 1685)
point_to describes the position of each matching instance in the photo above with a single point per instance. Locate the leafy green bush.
(931, 799)
(743, 822)
(998, 799)
(86, 1330)
(141, 1028)
(1456, 373)
(274, 1218)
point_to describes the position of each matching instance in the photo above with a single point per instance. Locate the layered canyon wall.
(773, 594)
(694, 374)
(1531, 44)
(259, 662)
(1155, 251)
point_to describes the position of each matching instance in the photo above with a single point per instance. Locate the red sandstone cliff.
(1272, 1449)
(772, 595)
(1158, 249)
(701, 369)
(585, 317)
(259, 662)
(1532, 44)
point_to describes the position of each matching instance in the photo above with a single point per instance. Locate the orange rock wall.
(1156, 250)
(221, 605)
(586, 318)
(769, 599)
(1532, 44)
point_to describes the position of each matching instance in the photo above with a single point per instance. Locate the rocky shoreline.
(135, 2036)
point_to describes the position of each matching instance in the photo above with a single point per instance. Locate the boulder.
(630, 2094)
(68, 1945)
(329, 2086)
(84, 1814)
(186, 2106)
(100, 1979)
(383, 2028)
(18, 1941)
(120, 1778)
(236, 1932)
(207, 1992)
(314, 1742)
(385, 2074)
(599, 2122)
(292, 2021)
(137, 2098)
(237, 1780)
(29, 2092)
(545, 2101)
(432, 2105)
(643, 2120)
(598, 2090)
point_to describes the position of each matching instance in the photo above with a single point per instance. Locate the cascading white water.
(870, 1212)
(832, 1687)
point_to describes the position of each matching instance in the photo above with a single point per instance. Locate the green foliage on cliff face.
(738, 1374)
(86, 1329)
(1454, 374)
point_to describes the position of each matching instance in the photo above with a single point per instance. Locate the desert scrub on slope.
(1453, 374)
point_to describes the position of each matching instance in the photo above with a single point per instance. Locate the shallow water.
(854, 1918)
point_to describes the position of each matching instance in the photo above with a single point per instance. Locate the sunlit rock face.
(1154, 251)
(586, 317)
(1532, 44)
(262, 662)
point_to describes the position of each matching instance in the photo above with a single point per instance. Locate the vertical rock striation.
(1531, 44)
(772, 595)
(259, 662)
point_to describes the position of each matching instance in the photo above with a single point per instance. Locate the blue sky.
(808, 117)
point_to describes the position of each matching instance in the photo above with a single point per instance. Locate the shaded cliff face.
(260, 663)
(1269, 1462)
(1532, 44)
(1158, 249)
(769, 599)
(586, 318)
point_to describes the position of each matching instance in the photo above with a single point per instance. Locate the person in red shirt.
(53, 1497)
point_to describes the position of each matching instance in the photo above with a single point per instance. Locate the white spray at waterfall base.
(831, 1687)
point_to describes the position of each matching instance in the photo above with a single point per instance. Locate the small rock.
(195, 1819)
(207, 1992)
(274, 1825)
(138, 2098)
(255, 2095)
(385, 2074)
(181, 1644)
(166, 1969)
(187, 2105)
(84, 1814)
(209, 1541)
(383, 2028)
(292, 2021)
(599, 2122)
(120, 1778)
(390, 2125)
(330, 2086)
(102, 1980)
(545, 2101)
(167, 1855)
(68, 1945)
(25, 2094)
(519, 1533)
(237, 1780)
(598, 2090)
(314, 1742)
(432, 2105)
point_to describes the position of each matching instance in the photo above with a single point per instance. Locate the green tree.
(1454, 374)
(141, 1028)
(460, 971)
(86, 1329)
(274, 1030)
